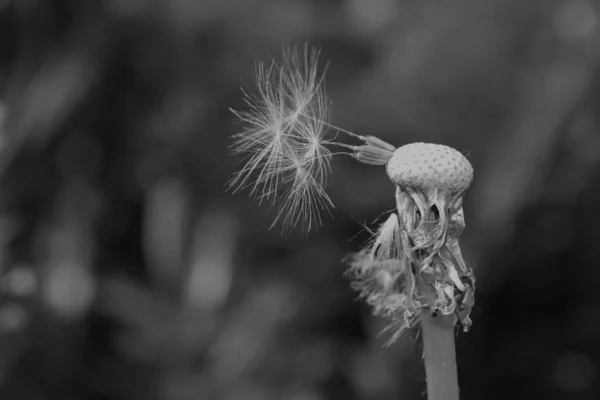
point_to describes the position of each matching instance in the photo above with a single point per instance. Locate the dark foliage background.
(128, 273)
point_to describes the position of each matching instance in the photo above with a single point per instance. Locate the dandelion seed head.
(284, 139)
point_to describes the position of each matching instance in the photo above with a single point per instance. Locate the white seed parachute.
(284, 139)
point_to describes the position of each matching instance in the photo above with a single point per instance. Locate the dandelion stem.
(439, 353)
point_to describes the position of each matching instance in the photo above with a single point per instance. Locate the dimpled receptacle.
(424, 166)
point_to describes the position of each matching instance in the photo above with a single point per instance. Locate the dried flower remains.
(428, 271)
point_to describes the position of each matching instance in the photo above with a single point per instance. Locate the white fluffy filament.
(284, 139)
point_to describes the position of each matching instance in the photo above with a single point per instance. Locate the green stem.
(440, 356)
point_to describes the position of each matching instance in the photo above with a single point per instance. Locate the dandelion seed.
(285, 139)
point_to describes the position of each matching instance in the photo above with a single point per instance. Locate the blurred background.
(126, 271)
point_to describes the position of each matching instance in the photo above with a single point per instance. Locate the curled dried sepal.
(433, 223)
(284, 139)
(413, 263)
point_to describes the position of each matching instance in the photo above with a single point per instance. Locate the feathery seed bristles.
(284, 139)
(382, 274)
(382, 249)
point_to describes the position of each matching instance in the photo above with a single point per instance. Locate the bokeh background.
(127, 272)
